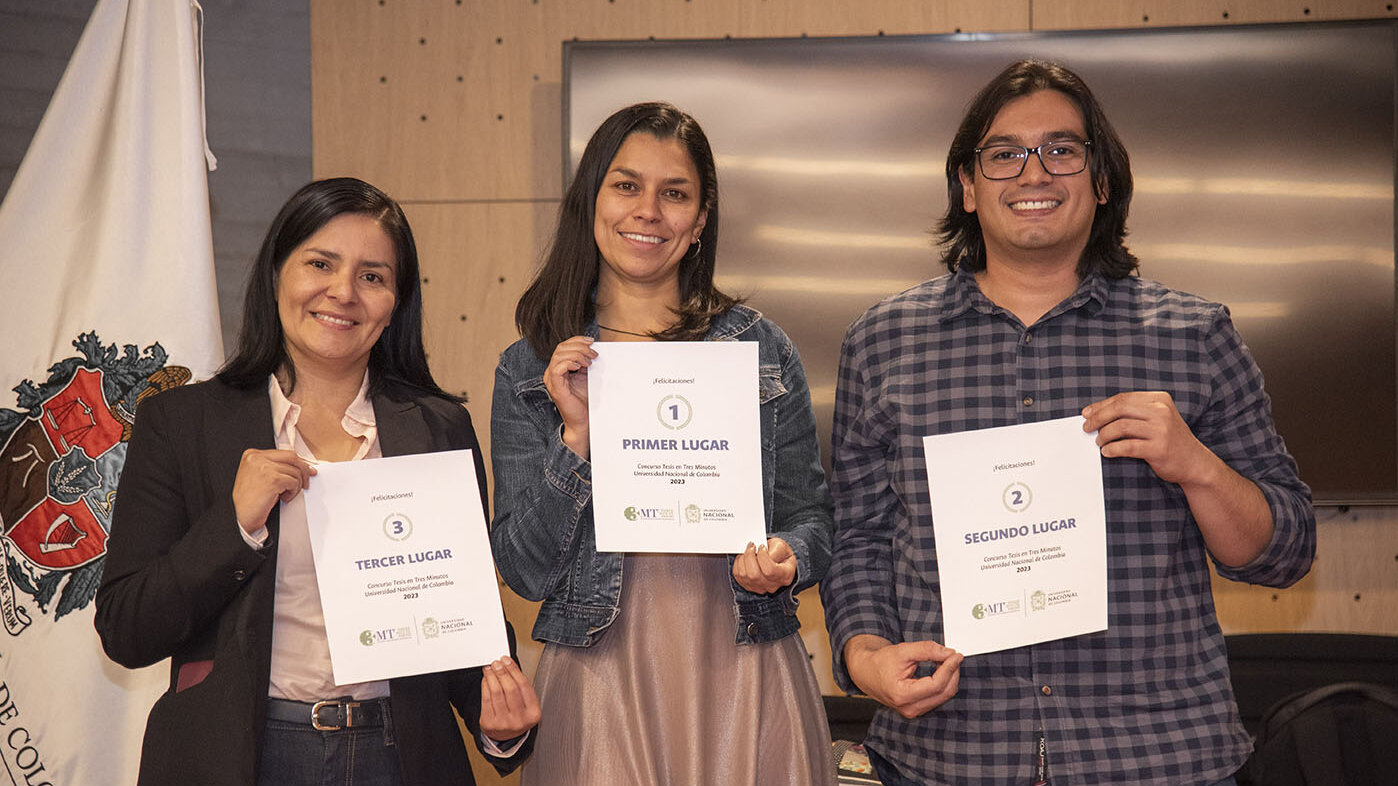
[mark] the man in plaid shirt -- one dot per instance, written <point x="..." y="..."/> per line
<point x="1042" y="317"/>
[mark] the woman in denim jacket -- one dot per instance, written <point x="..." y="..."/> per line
<point x="658" y="668"/>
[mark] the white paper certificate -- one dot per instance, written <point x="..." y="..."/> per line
<point x="407" y="583"/>
<point x="1020" y="526"/>
<point x="676" y="446"/>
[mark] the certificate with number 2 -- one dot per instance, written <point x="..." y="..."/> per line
<point x="1019" y="520"/>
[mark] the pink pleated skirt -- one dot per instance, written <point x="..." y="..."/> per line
<point x="667" y="697"/>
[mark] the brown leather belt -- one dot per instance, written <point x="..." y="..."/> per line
<point x="331" y="715"/>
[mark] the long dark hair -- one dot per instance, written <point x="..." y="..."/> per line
<point x="559" y="301"/>
<point x="398" y="356"/>
<point x="1109" y="167"/>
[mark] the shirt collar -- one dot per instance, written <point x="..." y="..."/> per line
<point x="964" y="294"/>
<point x="359" y="420"/>
<point x="284" y="415"/>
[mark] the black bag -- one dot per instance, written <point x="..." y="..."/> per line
<point x="1345" y="734"/>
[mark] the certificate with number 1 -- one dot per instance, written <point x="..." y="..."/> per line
<point x="676" y="446"/>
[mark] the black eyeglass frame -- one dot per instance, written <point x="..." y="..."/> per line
<point x="1023" y="162"/>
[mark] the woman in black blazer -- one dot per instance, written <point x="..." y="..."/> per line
<point x="205" y="567"/>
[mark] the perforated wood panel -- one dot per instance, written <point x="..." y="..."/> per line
<point x="454" y="107"/>
<point x="1097" y="14"/>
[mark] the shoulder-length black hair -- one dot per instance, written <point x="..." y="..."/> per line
<point x="1109" y="167"/>
<point x="559" y="301"/>
<point x="398" y="356"/>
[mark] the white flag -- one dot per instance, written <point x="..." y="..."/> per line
<point x="108" y="296"/>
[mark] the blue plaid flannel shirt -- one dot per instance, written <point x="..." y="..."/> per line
<point x="1149" y="699"/>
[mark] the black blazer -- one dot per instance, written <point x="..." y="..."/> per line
<point x="181" y="583"/>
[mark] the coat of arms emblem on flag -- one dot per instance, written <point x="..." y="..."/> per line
<point x="62" y="454"/>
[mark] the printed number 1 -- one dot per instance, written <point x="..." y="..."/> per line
<point x="674" y="411"/>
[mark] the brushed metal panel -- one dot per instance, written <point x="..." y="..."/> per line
<point x="1264" y="166"/>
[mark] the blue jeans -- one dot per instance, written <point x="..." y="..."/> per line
<point x="891" y="777"/>
<point x="295" y="754"/>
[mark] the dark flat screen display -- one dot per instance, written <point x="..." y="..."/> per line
<point x="1264" y="168"/>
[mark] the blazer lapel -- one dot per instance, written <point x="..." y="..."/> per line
<point x="245" y="421"/>
<point x="401" y="427"/>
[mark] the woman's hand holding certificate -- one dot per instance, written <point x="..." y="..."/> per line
<point x="566" y="381"/>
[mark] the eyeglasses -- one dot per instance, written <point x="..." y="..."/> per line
<point x="1006" y="162"/>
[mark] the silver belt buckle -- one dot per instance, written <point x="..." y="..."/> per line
<point x="315" y="715"/>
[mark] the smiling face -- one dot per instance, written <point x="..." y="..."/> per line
<point x="647" y="214"/>
<point x="336" y="293"/>
<point x="1036" y="216"/>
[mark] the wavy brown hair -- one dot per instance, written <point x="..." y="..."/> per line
<point x="559" y="301"/>
<point x="1108" y="165"/>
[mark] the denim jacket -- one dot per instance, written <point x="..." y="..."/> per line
<point x="542" y="532"/>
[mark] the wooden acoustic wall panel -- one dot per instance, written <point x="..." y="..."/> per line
<point x="1352" y="588"/>
<point x="476" y="260"/>
<point x="449" y="101"/>
<point x="455" y="107"/>
<point x="1098" y="14"/>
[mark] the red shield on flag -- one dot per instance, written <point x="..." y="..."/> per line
<point x="58" y="536"/>
<point x="78" y="416"/>
<point x="75" y="421"/>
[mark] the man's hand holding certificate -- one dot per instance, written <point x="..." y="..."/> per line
<point x="407" y="583"/>
<point x="1020" y="525"/>
<point x="675" y="441"/>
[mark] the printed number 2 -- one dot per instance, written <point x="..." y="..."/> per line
<point x="1017" y="497"/>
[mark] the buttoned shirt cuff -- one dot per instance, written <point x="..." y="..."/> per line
<point x="492" y="748"/>
<point x="255" y="539"/>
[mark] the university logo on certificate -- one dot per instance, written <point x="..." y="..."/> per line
<point x="402" y="558"/>
<point x="675" y="446"/>
<point x="1019" y="520"/>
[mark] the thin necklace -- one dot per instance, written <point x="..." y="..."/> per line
<point x="626" y="332"/>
